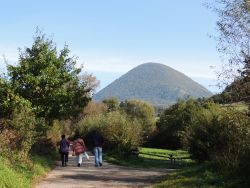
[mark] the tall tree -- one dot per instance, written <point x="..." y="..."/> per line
<point x="49" y="80"/>
<point x="234" y="37"/>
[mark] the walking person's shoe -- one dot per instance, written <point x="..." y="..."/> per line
<point x="100" y="164"/>
<point x="78" y="164"/>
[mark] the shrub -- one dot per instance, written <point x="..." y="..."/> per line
<point x="18" y="134"/>
<point x="220" y="135"/>
<point x="234" y="138"/>
<point x="24" y="122"/>
<point x="94" y="108"/>
<point x="200" y="136"/>
<point x="173" y="122"/>
<point x="120" y="132"/>
<point x="140" y="111"/>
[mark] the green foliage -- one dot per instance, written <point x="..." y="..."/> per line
<point x="124" y="126"/>
<point x="10" y="177"/>
<point x="24" y="122"/>
<point x="202" y="175"/>
<point x="220" y="135"/>
<point x="233" y="38"/>
<point x="235" y="92"/>
<point x="94" y="108"/>
<point x="120" y="132"/>
<point x="54" y="133"/>
<point x="9" y="100"/>
<point x="23" y="175"/>
<point x="210" y="131"/>
<point x="18" y="134"/>
<point x="182" y="157"/>
<point x="142" y="112"/>
<point x="87" y="125"/>
<point x="201" y="136"/>
<point x="148" y="159"/>
<point x="49" y="80"/>
<point x="173" y="122"/>
<point x="112" y="104"/>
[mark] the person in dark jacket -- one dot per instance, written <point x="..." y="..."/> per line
<point x="64" y="150"/>
<point x="98" y="142"/>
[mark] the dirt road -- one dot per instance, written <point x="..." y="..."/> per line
<point x="106" y="176"/>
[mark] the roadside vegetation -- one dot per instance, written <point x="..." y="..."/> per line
<point x="206" y="141"/>
<point x="38" y="100"/>
<point x="24" y="175"/>
<point x="151" y="158"/>
<point x="202" y="175"/>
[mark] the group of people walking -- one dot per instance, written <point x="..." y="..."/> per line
<point x="79" y="149"/>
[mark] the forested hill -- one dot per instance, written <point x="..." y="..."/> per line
<point x="154" y="82"/>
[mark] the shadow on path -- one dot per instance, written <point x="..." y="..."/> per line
<point x="107" y="176"/>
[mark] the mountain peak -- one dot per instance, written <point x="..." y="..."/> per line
<point x="153" y="82"/>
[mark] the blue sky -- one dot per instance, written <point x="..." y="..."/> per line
<point x="113" y="36"/>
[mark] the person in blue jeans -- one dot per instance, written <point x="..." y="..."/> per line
<point x="98" y="142"/>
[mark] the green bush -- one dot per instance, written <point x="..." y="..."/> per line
<point x="201" y="135"/>
<point x="173" y="122"/>
<point x="234" y="138"/>
<point x="220" y="135"/>
<point x="24" y="121"/>
<point x="18" y="134"/>
<point x="120" y="132"/>
<point x="140" y="111"/>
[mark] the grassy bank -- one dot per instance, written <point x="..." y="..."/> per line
<point x="151" y="158"/>
<point x="187" y="173"/>
<point x="23" y="175"/>
<point x="204" y="175"/>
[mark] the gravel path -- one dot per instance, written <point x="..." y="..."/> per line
<point x="106" y="176"/>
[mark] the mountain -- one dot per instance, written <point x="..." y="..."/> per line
<point x="154" y="82"/>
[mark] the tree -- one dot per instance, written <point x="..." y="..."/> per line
<point x="141" y="111"/>
<point x="91" y="82"/>
<point x="173" y="122"/>
<point x="112" y="104"/>
<point x="9" y="100"/>
<point x="49" y="80"/>
<point x="234" y="37"/>
<point x="93" y="109"/>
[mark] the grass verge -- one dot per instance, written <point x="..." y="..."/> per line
<point x="150" y="158"/>
<point x="187" y="174"/>
<point x="24" y="175"/>
<point x="206" y="175"/>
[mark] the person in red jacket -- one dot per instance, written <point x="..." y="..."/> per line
<point x="79" y="150"/>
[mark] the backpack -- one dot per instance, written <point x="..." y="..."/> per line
<point x="64" y="146"/>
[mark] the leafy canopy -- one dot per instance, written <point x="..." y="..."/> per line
<point x="49" y="80"/>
